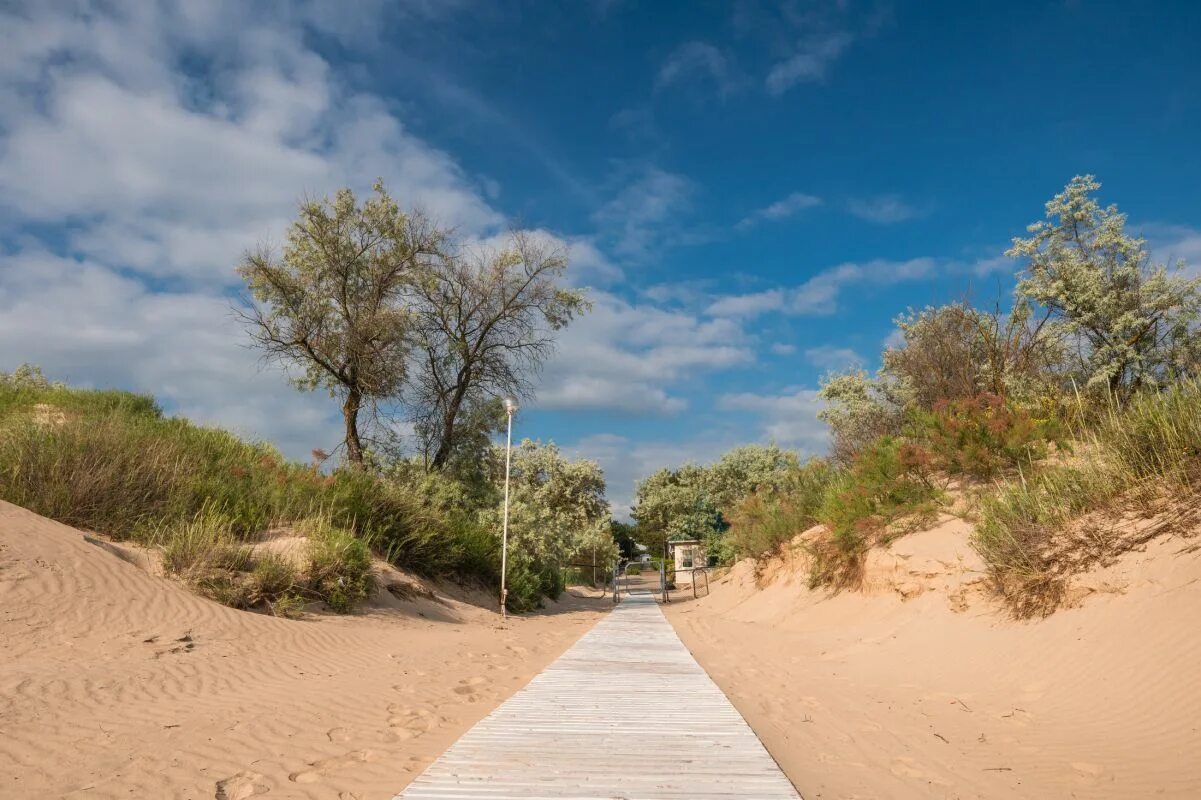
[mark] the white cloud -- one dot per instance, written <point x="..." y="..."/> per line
<point x="992" y="266"/>
<point x="638" y="216"/>
<point x="781" y="209"/>
<point x="1169" y="244"/>
<point x="748" y="305"/>
<point x="809" y="61"/>
<point x="789" y="419"/>
<point x="883" y="209"/>
<point x="88" y="325"/>
<point x="693" y="59"/>
<point x="173" y="178"/>
<point x="820" y="294"/>
<point x="782" y="349"/>
<point x="830" y="357"/>
<point x="627" y="357"/>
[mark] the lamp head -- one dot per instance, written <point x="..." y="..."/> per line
<point x="510" y="406"/>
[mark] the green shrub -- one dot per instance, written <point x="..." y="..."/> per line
<point x="290" y="606"/>
<point x="888" y="480"/>
<point x="110" y="462"/>
<point x="983" y="435"/>
<point x="766" y="520"/>
<point x="339" y="566"/>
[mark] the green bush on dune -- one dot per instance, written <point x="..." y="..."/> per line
<point x="111" y="462"/>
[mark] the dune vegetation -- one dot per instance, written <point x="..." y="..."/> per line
<point x="113" y="463"/>
<point x="1066" y="427"/>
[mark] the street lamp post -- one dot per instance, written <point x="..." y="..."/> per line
<point x="510" y="409"/>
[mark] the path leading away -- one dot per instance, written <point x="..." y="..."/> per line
<point x="625" y="714"/>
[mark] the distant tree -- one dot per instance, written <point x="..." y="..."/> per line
<point x="334" y="304"/>
<point x="693" y="502"/>
<point x="1133" y="320"/>
<point x="675" y="504"/>
<point x="623" y="534"/>
<point x="483" y="326"/>
<point x="745" y="470"/>
<point x="860" y="409"/>
<point x="28" y="376"/>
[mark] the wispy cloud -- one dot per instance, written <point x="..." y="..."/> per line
<point x="639" y="216"/>
<point x="781" y="209"/>
<point x="820" y="294"/>
<point x="883" y="209"/>
<point x="830" y="357"/>
<point x="789" y="419"/>
<point x="809" y="62"/>
<point x="698" y="60"/>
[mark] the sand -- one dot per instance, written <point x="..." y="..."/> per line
<point x="922" y="687"/>
<point x="118" y="683"/>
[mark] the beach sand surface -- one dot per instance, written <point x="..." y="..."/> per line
<point x="115" y="682"/>
<point x="921" y="686"/>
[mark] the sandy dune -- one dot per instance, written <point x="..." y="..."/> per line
<point x="116" y="683"/>
<point x="940" y="696"/>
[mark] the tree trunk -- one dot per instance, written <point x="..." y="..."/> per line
<point x="350" y="413"/>
<point x="446" y="441"/>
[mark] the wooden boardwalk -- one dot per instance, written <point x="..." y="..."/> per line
<point x="625" y="714"/>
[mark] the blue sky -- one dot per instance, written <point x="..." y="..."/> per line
<point x="752" y="190"/>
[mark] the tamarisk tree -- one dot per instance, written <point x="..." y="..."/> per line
<point x="1134" y="321"/>
<point x="484" y="324"/>
<point x="335" y="305"/>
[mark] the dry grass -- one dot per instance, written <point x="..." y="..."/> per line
<point x="1134" y="480"/>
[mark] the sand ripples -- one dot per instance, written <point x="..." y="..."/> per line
<point x="116" y="683"/>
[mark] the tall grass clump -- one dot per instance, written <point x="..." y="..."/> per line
<point x="1157" y="435"/>
<point x="1137" y="461"/>
<point x="339" y="566"/>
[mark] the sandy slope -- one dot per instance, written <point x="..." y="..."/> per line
<point x="939" y="695"/>
<point x="115" y="683"/>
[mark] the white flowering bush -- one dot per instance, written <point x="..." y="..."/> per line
<point x="1134" y="322"/>
<point x="558" y="515"/>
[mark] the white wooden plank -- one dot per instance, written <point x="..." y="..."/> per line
<point x="625" y="714"/>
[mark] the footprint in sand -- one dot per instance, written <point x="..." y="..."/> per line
<point x="241" y="786"/>
<point x="1086" y="771"/>
<point x="319" y="769"/>
<point x="408" y="723"/>
<point x="339" y="735"/>
<point x="469" y="687"/>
